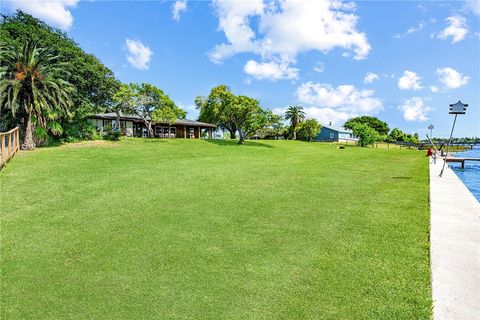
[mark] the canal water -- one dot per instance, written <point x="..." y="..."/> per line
<point x="471" y="174"/>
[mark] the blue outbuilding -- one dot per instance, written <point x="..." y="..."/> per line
<point x="332" y="134"/>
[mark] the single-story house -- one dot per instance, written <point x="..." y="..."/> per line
<point x="134" y="126"/>
<point x="332" y="134"/>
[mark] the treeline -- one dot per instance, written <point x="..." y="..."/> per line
<point x="244" y="115"/>
<point x="464" y="140"/>
<point x="48" y="85"/>
<point x="47" y="82"/>
<point x="371" y="129"/>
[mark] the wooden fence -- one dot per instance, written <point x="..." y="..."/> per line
<point x="10" y="144"/>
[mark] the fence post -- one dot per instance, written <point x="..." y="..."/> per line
<point x="18" y="139"/>
<point x="9" y="146"/>
<point x="14" y="143"/>
<point x="3" y="148"/>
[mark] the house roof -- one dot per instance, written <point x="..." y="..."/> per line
<point x="338" y="129"/>
<point x="134" y="117"/>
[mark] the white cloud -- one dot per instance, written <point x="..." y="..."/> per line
<point x="473" y="6"/>
<point x="323" y="115"/>
<point x="451" y="78"/>
<point x="434" y="89"/>
<point x="409" y="81"/>
<point x="234" y="21"/>
<point x="178" y="7"/>
<point x="286" y="28"/>
<point x="345" y="98"/>
<point x="56" y="12"/>
<point x="270" y="70"/>
<point x="319" y="67"/>
<point x="415" y="109"/>
<point x="328" y="104"/>
<point x="417" y="28"/>
<point x="327" y="115"/>
<point x="457" y="29"/>
<point x="138" y="55"/>
<point x="370" y="77"/>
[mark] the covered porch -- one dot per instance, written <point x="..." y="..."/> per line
<point x="174" y="131"/>
<point x="134" y="126"/>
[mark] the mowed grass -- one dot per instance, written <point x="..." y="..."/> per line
<point x="181" y="229"/>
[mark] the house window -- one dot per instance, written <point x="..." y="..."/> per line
<point x="162" y="132"/>
<point x="332" y="135"/>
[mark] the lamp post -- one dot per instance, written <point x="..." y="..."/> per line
<point x="431" y="127"/>
<point x="456" y="109"/>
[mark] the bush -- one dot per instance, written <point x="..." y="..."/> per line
<point x="365" y="133"/>
<point x="111" y="134"/>
<point x="80" y="129"/>
<point x="308" y="130"/>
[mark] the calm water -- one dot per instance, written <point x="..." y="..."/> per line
<point x="471" y="174"/>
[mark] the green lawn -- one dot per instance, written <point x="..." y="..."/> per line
<point x="181" y="229"/>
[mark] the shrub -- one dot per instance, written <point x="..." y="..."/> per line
<point x="80" y="129"/>
<point x="365" y="133"/>
<point x="111" y="134"/>
<point x="308" y="129"/>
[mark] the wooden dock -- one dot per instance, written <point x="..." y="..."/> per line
<point x="461" y="160"/>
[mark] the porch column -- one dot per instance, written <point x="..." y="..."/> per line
<point x="210" y="133"/>
<point x="185" y="132"/>
<point x="168" y="132"/>
<point x="199" y="136"/>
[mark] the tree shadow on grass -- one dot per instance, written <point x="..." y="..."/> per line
<point x="234" y="143"/>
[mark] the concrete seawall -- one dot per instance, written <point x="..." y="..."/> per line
<point x="454" y="247"/>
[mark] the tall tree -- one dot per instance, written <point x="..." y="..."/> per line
<point x="272" y="127"/>
<point x="147" y="102"/>
<point x="396" y="135"/>
<point x="168" y="113"/>
<point x="32" y="86"/>
<point x="212" y="109"/>
<point x="296" y="115"/>
<point x="150" y="101"/>
<point x="95" y="83"/>
<point x="378" y="125"/>
<point x="247" y="115"/>
<point x="123" y="102"/>
<point x="275" y="122"/>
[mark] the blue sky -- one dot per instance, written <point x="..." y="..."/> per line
<point x="402" y="61"/>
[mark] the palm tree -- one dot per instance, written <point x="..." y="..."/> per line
<point x="32" y="88"/>
<point x="296" y="115"/>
